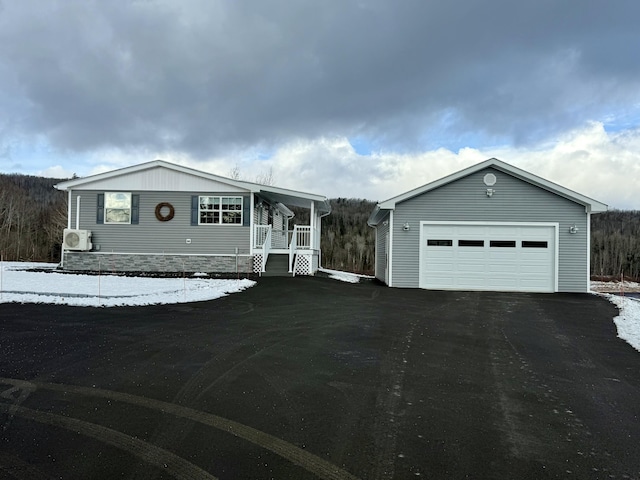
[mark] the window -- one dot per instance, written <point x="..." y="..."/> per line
<point x="502" y="243"/>
<point x="117" y="207"/>
<point x="534" y="244"/>
<point x="471" y="243"/>
<point x="440" y="243"/>
<point x="220" y="210"/>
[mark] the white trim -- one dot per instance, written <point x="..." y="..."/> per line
<point x="69" y="209"/>
<point x="554" y="225"/>
<point x="251" y="221"/>
<point x="78" y="212"/>
<point x="375" y="256"/>
<point x="515" y="224"/>
<point x="168" y="254"/>
<point x="588" y="252"/>
<point x="391" y="248"/>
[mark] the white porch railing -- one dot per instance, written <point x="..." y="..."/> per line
<point x="302" y="237"/>
<point x="262" y="241"/>
<point x="266" y="247"/>
<point x="260" y="235"/>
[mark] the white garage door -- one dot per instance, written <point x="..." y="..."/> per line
<point x="498" y="257"/>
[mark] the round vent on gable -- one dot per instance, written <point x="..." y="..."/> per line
<point x="72" y="239"/>
<point x="490" y="179"/>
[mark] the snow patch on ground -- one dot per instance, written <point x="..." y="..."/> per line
<point x="611" y="287"/>
<point x="19" y="284"/>
<point x="343" y="276"/>
<point x="628" y="322"/>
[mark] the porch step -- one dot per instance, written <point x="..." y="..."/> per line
<point x="277" y="266"/>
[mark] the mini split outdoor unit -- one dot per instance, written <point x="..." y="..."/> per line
<point x="76" y="239"/>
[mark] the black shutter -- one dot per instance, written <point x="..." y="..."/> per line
<point x="135" y="209"/>
<point x="194" y="209"/>
<point x="246" y="211"/>
<point x="99" y="209"/>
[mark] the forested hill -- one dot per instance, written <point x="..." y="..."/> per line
<point x="33" y="215"/>
<point x="347" y="241"/>
<point x="615" y="243"/>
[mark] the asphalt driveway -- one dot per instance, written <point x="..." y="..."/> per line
<point x="314" y="378"/>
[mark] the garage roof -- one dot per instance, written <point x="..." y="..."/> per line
<point x="591" y="205"/>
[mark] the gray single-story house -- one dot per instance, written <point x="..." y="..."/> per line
<point x="162" y="217"/>
<point x="491" y="226"/>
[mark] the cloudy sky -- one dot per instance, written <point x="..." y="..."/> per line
<point x="362" y="98"/>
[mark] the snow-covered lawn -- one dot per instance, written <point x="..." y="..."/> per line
<point x="19" y="284"/>
<point x="343" y="276"/>
<point x="628" y="322"/>
<point x="615" y="287"/>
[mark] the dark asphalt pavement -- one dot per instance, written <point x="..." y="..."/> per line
<point x="313" y="378"/>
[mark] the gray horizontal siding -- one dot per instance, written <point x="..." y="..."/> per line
<point x="381" y="248"/>
<point x="514" y="201"/>
<point x="154" y="236"/>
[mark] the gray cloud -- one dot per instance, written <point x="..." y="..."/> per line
<point x="201" y="76"/>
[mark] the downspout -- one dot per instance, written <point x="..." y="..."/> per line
<point x="69" y="210"/>
<point x="588" y="250"/>
<point x="68" y="226"/>
<point x="78" y="212"/>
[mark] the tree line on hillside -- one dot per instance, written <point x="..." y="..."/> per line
<point x="33" y="215"/>
<point x="615" y="244"/>
<point x="347" y="242"/>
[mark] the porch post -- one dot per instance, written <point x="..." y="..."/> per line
<point x="252" y="227"/>
<point x="312" y="221"/>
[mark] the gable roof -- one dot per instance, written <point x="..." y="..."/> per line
<point x="591" y="205"/>
<point x="202" y="180"/>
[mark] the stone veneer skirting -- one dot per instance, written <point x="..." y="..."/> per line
<point x="132" y="262"/>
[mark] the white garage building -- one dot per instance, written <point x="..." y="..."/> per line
<point x="489" y="227"/>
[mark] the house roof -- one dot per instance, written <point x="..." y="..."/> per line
<point x="591" y="205"/>
<point x="201" y="179"/>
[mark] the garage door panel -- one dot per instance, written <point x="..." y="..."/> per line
<point x="502" y="231"/>
<point x="470" y="267"/>
<point x="534" y="269"/>
<point x="471" y="230"/>
<point x="522" y="257"/>
<point x="471" y="282"/>
<point x="500" y="255"/>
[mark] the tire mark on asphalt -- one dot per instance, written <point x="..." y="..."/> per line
<point x="16" y="394"/>
<point x="388" y="404"/>
<point x="19" y="469"/>
<point x="176" y="466"/>
<point x="284" y="449"/>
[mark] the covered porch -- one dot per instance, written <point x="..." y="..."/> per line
<point x="275" y="234"/>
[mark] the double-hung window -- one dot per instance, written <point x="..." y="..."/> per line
<point x="117" y="207"/>
<point x="218" y="210"/>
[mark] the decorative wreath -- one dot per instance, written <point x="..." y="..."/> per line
<point x="168" y="216"/>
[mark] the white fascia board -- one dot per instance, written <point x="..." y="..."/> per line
<point x="591" y="205"/>
<point x="82" y="182"/>
<point x="377" y="215"/>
